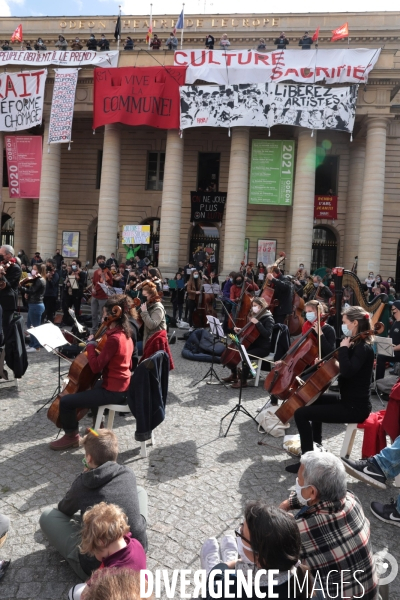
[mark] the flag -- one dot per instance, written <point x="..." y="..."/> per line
<point x="340" y="32"/>
<point x="150" y="31"/>
<point x="179" y="24"/>
<point x="117" y="32"/>
<point x="315" y="36"/>
<point x="17" y="35"/>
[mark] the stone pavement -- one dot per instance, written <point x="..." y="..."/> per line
<point x="197" y="481"/>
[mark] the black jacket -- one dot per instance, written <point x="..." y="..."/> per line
<point x="92" y="44"/>
<point x="103" y="44"/>
<point x="209" y="42"/>
<point x="58" y="258"/>
<point x="52" y="286"/>
<point x="148" y="394"/>
<point x="35" y="291"/>
<point x="284" y="295"/>
<point x="281" y="43"/>
<point x="16" y="357"/>
<point x="265" y="327"/>
<point x="178" y="295"/>
<point x="321" y="292"/>
<point x="305" y="43"/>
<point x="9" y="295"/>
<point x="356" y="364"/>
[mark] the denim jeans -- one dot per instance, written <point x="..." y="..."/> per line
<point x="389" y="461"/>
<point x="35" y="312"/>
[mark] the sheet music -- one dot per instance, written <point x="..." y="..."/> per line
<point x="107" y="290"/>
<point x="215" y="326"/>
<point x="246" y="356"/>
<point x="384" y="346"/>
<point x="49" y="336"/>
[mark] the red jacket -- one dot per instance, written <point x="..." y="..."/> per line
<point x="115" y="360"/>
<point x="98" y="276"/>
<point x="236" y="291"/>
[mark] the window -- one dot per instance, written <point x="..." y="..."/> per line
<point x="99" y="165"/>
<point x="155" y="170"/>
<point x="208" y="171"/>
<point x="326" y="175"/>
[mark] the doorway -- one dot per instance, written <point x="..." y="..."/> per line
<point x="326" y="176"/>
<point x="150" y="251"/>
<point x="324" y="248"/>
<point x="7" y="230"/>
<point x="208" y="171"/>
<point x="207" y="236"/>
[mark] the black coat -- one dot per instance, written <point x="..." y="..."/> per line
<point x="305" y="43"/>
<point x="281" y="43"/>
<point x="16" y="357"/>
<point x="35" y="291"/>
<point x="284" y="295"/>
<point x="9" y="295"/>
<point x="265" y="327"/>
<point x="210" y="42"/>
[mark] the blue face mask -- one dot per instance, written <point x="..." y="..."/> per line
<point x="346" y="330"/>
<point x="311" y="316"/>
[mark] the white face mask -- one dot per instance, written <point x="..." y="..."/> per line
<point x="346" y="330"/>
<point x="256" y="309"/>
<point x="241" y="547"/>
<point x="33" y="272"/>
<point x="298" y="488"/>
<point x="311" y="316"/>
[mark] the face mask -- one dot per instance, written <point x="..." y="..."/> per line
<point x="241" y="547"/>
<point x="195" y="276"/>
<point x="239" y="283"/>
<point x="311" y="316"/>
<point x="371" y="275"/>
<point x="256" y="309"/>
<point x="346" y="330"/>
<point x="33" y="272"/>
<point x="102" y="265"/>
<point x="230" y="279"/>
<point x="298" y="488"/>
<point x="378" y="279"/>
<point x="316" y="284"/>
<point x="74" y="267"/>
<point x="19" y="253"/>
<point x="301" y="267"/>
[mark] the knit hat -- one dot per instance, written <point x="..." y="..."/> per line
<point x="396" y="304"/>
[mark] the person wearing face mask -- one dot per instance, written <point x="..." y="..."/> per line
<point x="237" y="291"/>
<point x="356" y="360"/>
<point x="152" y="311"/>
<point x="23" y="257"/>
<point x="9" y="280"/>
<point x="34" y="293"/>
<point x="327" y="332"/>
<point x="51" y="291"/>
<point x="334" y="532"/>
<point x="320" y="291"/>
<point x="268" y="538"/>
<point x="302" y="274"/>
<point x="103" y="276"/>
<point x="193" y="289"/>
<point x="261" y="346"/>
<point x="370" y="281"/>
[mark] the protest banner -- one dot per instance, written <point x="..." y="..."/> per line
<point x="207" y="206"/>
<point x="62" y="58"/>
<point x="136" y="234"/>
<point x="21" y="100"/>
<point x="62" y="106"/>
<point x="24" y="165"/>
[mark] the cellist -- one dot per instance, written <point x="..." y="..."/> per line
<point x="356" y="362"/>
<point x="237" y="291"/>
<point x="114" y="362"/>
<point x="283" y="293"/>
<point x="261" y="347"/>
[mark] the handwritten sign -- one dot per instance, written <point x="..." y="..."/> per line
<point x="136" y="234"/>
<point x="207" y="206"/>
<point x="21" y="100"/>
<point x="62" y="106"/>
<point x="62" y="58"/>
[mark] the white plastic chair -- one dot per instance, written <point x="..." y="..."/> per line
<point x="113" y="408"/>
<point x="270" y="356"/>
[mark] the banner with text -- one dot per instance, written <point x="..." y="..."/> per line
<point x="207" y="206"/>
<point x="138" y="96"/>
<point x="268" y="104"/>
<point x="227" y="67"/>
<point x="21" y="100"/>
<point x="62" y="58"/>
<point x="24" y="165"/>
<point x="136" y="234"/>
<point x="62" y="106"/>
<point x="271" y="172"/>
<point x="325" y="207"/>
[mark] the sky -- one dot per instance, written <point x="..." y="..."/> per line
<point x="20" y="8"/>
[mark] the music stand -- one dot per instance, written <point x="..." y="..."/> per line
<point x="239" y="406"/>
<point x="384" y="347"/>
<point x="50" y="337"/>
<point x="218" y="336"/>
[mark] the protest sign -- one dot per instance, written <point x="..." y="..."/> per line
<point x="62" y="58"/>
<point x="62" y="106"/>
<point x="207" y="206"/>
<point x="21" y="99"/>
<point x="136" y="234"/>
<point x="325" y="207"/>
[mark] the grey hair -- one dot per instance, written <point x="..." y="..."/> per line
<point x="8" y="249"/>
<point x="326" y="473"/>
<point x="317" y="277"/>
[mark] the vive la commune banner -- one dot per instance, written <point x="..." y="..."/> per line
<point x="21" y="100"/>
<point x="138" y="96"/>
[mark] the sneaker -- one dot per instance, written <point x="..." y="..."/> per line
<point x="30" y="349"/>
<point x="386" y="512"/>
<point x="68" y="440"/>
<point x="210" y="555"/>
<point x="366" y="470"/>
<point x="229" y="550"/>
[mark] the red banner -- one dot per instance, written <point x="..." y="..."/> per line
<point x="138" y="96"/>
<point x="325" y="207"/>
<point x="24" y="165"/>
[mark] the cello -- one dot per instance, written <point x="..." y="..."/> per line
<point x="199" y="313"/>
<point x="80" y="375"/>
<point x="268" y="289"/>
<point x="231" y="356"/>
<point x="296" y="320"/>
<point x="243" y="309"/>
<point x="310" y="390"/>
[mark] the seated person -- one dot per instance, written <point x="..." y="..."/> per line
<point x="267" y="539"/>
<point x="4" y="527"/>
<point x="106" y="536"/>
<point x="375" y="471"/>
<point x="101" y="480"/>
<point x="114" y="584"/>
<point x="325" y="505"/>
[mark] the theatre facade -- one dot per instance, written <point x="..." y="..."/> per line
<point x="123" y="175"/>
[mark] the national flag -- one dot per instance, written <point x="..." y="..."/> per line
<point x="340" y="32"/>
<point x="179" y="24"/>
<point x="149" y="32"/>
<point x="17" y="35"/>
<point x="117" y="32"/>
<point x="315" y="36"/>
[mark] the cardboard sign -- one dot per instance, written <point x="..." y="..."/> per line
<point x="325" y="207"/>
<point x="24" y="165"/>
<point x="207" y="206"/>
<point x="136" y="234"/>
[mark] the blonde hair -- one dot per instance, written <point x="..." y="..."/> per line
<point x="103" y="524"/>
<point x="102" y="447"/>
<point x="114" y="584"/>
<point x="42" y="270"/>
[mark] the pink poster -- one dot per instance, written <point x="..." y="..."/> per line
<point x="24" y="165"/>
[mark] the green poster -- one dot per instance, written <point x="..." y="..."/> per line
<point x="271" y="172"/>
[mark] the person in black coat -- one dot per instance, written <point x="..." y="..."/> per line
<point x="129" y="45"/>
<point x="262" y="345"/>
<point x="281" y="42"/>
<point x="306" y="42"/>
<point x="283" y="293"/>
<point x="210" y="42"/>
<point x="92" y="43"/>
<point x="9" y="279"/>
<point x="103" y="43"/>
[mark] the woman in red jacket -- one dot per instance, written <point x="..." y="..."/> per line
<point x="114" y="362"/>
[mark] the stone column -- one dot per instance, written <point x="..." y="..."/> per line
<point x="303" y="201"/>
<point x="23" y="227"/>
<point x="353" y="204"/>
<point x="107" y="228"/>
<point x="171" y="205"/>
<point x="1" y="171"/>
<point x="47" y="231"/>
<point x="236" y="202"/>
<point x="369" y="250"/>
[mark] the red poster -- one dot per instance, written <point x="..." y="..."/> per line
<point x="138" y="96"/>
<point x="24" y="165"/>
<point x="325" y="207"/>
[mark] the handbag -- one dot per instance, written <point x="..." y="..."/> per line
<point x="268" y="422"/>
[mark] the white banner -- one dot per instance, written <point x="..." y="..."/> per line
<point x="269" y="104"/>
<point x="249" y="66"/>
<point x="62" y="106"/>
<point x="62" y="58"/>
<point x="21" y="99"/>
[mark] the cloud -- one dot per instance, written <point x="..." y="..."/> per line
<point x="4" y="9"/>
